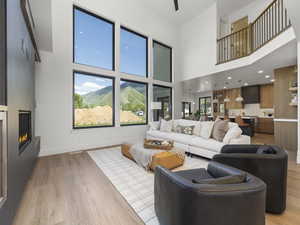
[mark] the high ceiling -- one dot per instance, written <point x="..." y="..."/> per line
<point x="187" y="9"/>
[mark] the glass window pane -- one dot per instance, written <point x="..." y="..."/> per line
<point x="208" y="106"/>
<point x="163" y="95"/>
<point x="93" y="40"/>
<point x="162" y="62"/>
<point x="133" y="103"/>
<point x="93" y="101"/>
<point x="133" y="53"/>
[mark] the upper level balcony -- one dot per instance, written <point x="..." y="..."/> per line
<point x="246" y="39"/>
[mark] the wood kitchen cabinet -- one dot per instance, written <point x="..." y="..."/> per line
<point x="265" y="125"/>
<point x="232" y="94"/>
<point x="267" y="96"/>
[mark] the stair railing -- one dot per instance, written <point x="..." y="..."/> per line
<point x="269" y="24"/>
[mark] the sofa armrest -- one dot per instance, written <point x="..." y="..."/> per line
<point x="243" y="139"/>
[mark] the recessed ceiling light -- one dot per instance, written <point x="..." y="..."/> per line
<point x="246" y="84"/>
<point x="225" y="87"/>
<point x="229" y="78"/>
<point x="260" y="71"/>
<point x="267" y="76"/>
<point x="273" y="80"/>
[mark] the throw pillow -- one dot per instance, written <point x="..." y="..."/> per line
<point x="232" y="133"/>
<point x="234" y="179"/>
<point x="166" y="126"/>
<point x="154" y="125"/>
<point x="187" y="130"/>
<point x="266" y="149"/>
<point x="177" y="129"/>
<point x="206" y="129"/>
<point x="197" y="129"/>
<point x="220" y="129"/>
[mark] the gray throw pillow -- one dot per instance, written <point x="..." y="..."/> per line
<point x="234" y="179"/>
<point x="220" y="129"/>
<point x="266" y="149"/>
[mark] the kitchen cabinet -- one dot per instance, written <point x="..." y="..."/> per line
<point x="266" y="96"/>
<point x="251" y="94"/>
<point x="232" y="94"/>
<point x="265" y="125"/>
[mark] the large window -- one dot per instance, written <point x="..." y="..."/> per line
<point x="134" y="54"/>
<point x="205" y="106"/>
<point x="94" y="94"/>
<point x="93" y="40"/>
<point x="186" y="110"/>
<point x="162" y="62"/>
<point x="93" y="101"/>
<point x="164" y="95"/>
<point x="134" y="99"/>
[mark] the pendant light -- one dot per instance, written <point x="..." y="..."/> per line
<point x="239" y="98"/>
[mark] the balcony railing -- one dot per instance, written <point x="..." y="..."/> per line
<point x="270" y="23"/>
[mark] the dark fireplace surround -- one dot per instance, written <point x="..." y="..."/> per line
<point x="25" y="133"/>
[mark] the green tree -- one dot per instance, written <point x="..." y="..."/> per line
<point x="78" y="101"/>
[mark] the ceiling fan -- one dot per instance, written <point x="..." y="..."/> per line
<point x="176" y="5"/>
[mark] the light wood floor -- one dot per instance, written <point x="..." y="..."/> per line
<point x="71" y="190"/>
<point x="263" y="139"/>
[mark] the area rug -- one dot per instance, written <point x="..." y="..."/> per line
<point x="134" y="183"/>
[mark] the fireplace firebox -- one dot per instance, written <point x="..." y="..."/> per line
<point x="24" y="129"/>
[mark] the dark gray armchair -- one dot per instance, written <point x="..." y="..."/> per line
<point x="268" y="163"/>
<point x="179" y="201"/>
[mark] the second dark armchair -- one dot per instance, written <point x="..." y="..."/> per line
<point x="268" y="163"/>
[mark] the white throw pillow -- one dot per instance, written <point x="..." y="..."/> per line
<point x="154" y="125"/>
<point x="166" y="126"/>
<point x="232" y="133"/>
<point x="206" y="129"/>
<point x="197" y="129"/>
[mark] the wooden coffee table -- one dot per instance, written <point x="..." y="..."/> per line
<point x="166" y="159"/>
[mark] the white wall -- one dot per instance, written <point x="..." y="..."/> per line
<point x="252" y="10"/>
<point x="198" y="44"/>
<point x="54" y="75"/>
<point x="298" y="155"/>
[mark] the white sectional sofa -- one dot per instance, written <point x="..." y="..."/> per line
<point x="198" y="145"/>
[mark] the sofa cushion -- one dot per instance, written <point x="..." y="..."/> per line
<point x="206" y="129"/>
<point x="234" y="179"/>
<point x="159" y="134"/>
<point x="194" y="174"/>
<point x="166" y="126"/>
<point x="233" y="133"/>
<point x="177" y="137"/>
<point x="197" y="129"/>
<point x="220" y="129"/>
<point x="154" y="125"/>
<point x="210" y="144"/>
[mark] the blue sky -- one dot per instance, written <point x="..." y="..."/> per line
<point x="85" y="84"/>
<point x="93" y="41"/>
<point x="94" y="45"/>
<point x="133" y="53"/>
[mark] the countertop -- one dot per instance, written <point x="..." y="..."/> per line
<point x="248" y="117"/>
